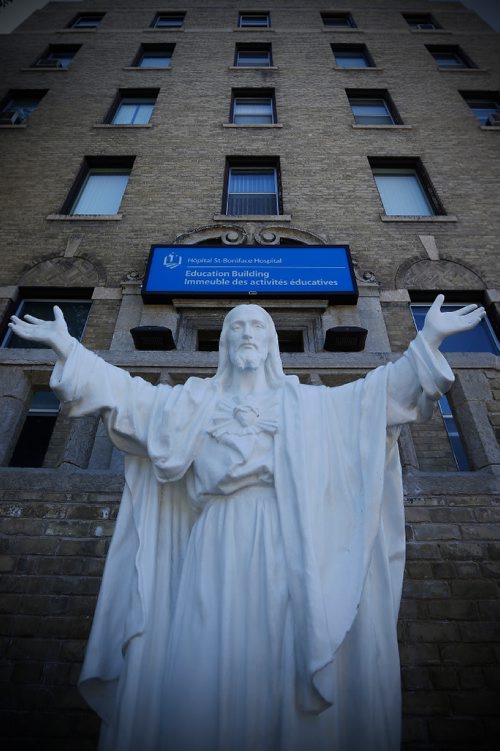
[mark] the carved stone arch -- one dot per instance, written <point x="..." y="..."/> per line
<point x="276" y="234"/>
<point x="62" y="272"/>
<point x="227" y="234"/>
<point x="424" y="274"/>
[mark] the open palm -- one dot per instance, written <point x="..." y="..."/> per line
<point x="438" y="325"/>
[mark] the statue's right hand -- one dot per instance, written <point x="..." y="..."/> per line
<point x="53" y="334"/>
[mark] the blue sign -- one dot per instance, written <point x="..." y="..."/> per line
<point x="225" y="271"/>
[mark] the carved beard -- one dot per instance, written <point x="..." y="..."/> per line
<point x="248" y="359"/>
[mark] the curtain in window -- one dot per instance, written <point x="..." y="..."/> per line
<point x="134" y="113"/>
<point x="402" y="195"/>
<point x="101" y="194"/>
<point x="253" y="111"/>
<point x="252" y="192"/>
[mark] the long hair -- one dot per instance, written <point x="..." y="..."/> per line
<point x="273" y="366"/>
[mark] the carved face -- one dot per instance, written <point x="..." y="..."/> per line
<point x="247" y="337"/>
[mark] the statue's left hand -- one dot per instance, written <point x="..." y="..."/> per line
<point x="439" y="325"/>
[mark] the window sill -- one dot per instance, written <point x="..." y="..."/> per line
<point x="122" y="125"/>
<point x="76" y="31"/>
<point x="84" y="217"/>
<point x="481" y="127"/>
<point x="253" y="67"/>
<point x="396" y="126"/>
<point x="463" y="70"/>
<point x="252" y="218"/>
<point x="358" y="70"/>
<point x="429" y="31"/>
<point x="11" y="126"/>
<point x="41" y="69"/>
<point x="253" y="29"/>
<point x="249" y="125"/>
<point x="435" y="218"/>
<point x="136" y="67"/>
<point x="341" y="30"/>
<point x="156" y="31"/>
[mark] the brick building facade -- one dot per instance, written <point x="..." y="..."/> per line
<point x="354" y="110"/>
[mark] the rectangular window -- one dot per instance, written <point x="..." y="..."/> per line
<point x="133" y="107"/>
<point x="57" y="56"/>
<point x="87" y="21"/>
<point x="480" y="339"/>
<point x="352" y="56"/>
<point x="252" y="189"/>
<point x="338" y="21"/>
<point x="404" y="188"/>
<point x="372" y="107"/>
<point x="168" y="21"/>
<point x="254" y="20"/>
<point x="19" y="104"/>
<point x="99" y="187"/>
<point x="421" y="21"/>
<point x="253" y="56"/>
<point x="485" y="106"/>
<point x="253" y="107"/>
<point x="75" y="312"/>
<point x="154" y="56"/>
<point x="37" y="430"/>
<point x="449" y="56"/>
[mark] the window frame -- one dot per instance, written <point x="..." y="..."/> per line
<point x="95" y="165"/>
<point x="450" y="49"/>
<point x="363" y="51"/>
<point x="416" y="25"/>
<point x="156" y="23"/>
<point x="51" y="53"/>
<point x="346" y="16"/>
<point x="81" y="17"/>
<point x="453" y="300"/>
<point x="262" y="14"/>
<point x="485" y="96"/>
<point x="145" y="48"/>
<point x="35" y="95"/>
<point x="137" y="94"/>
<point x="373" y="94"/>
<point x="255" y="93"/>
<point x="252" y="163"/>
<point x="253" y="48"/>
<point x="412" y="165"/>
<point x="25" y="445"/>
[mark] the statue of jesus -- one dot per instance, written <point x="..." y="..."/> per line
<point x="251" y="592"/>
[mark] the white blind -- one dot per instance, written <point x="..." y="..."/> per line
<point x="402" y="194"/>
<point x="101" y="194"/>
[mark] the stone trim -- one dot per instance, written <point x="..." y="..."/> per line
<point x="84" y="217"/>
<point x="435" y="218"/>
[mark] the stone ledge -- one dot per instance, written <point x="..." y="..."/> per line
<point x="435" y="218"/>
<point x="254" y="29"/>
<point x="135" y="67"/>
<point x="252" y="218"/>
<point x="163" y="30"/>
<point x="84" y="217"/>
<point x="248" y="125"/>
<point x="124" y="126"/>
<point x="358" y="70"/>
<point x="253" y="67"/>
<point x="341" y="30"/>
<point x="40" y="69"/>
<point x="11" y="126"/>
<point x="463" y="70"/>
<point x="489" y="127"/>
<point x="382" y="127"/>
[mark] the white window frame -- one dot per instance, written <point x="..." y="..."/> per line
<point x="248" y="100"/>
<point x="95" y="172"/>
<point x="245" y="21"/>
<point x="254" y="64"/>
<point x="274" y="170"/>
<point x="386" y="119"/>
<point x="138" y="101"/>
<point x="403" y="172"/>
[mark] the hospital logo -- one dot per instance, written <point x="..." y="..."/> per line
<point x="172" y="260"/>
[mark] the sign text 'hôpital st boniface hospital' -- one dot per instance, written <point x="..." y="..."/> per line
<point x="225" y="271"/>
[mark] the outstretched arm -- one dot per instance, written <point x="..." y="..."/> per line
<point x="54" y="333"/>
<point x="422" y="375"/>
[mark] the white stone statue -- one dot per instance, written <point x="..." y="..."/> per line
<point x="251" y="591"/>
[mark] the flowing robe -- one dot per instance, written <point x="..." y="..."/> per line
<point x="338" y="494"/>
